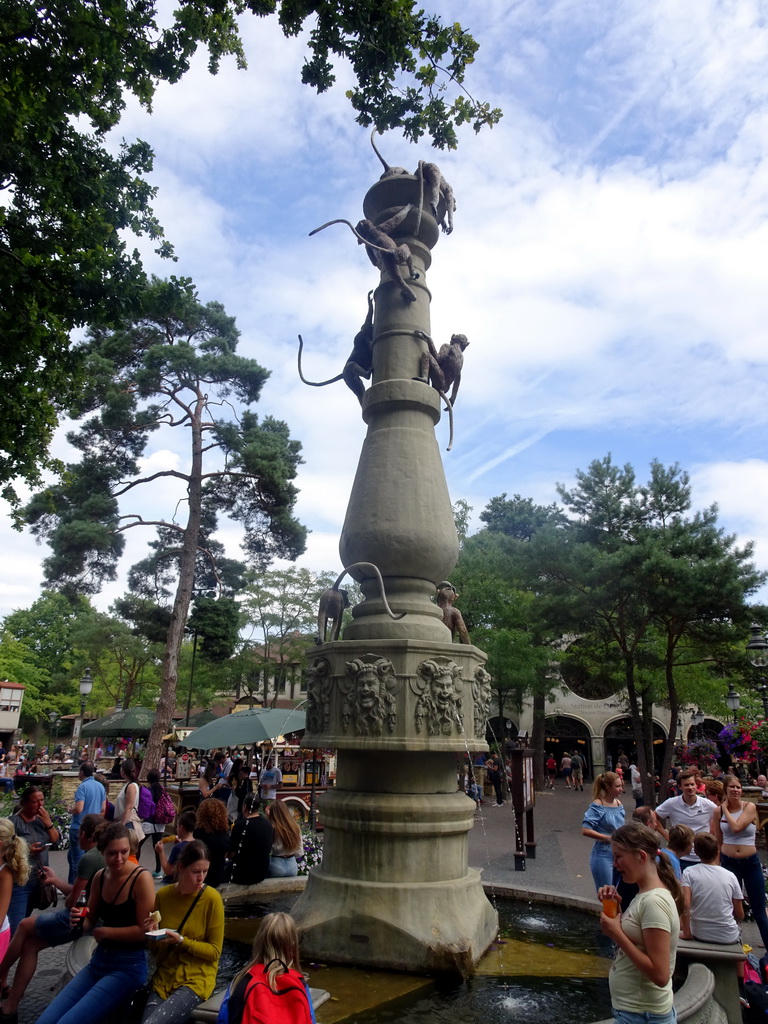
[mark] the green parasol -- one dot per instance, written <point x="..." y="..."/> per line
<point x="256" y="725"/>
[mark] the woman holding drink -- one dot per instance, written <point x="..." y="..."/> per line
<point x="646" y="935"/>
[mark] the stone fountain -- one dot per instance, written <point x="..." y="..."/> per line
<point x="397" y="698"/>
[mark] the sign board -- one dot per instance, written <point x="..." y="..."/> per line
<point x="183" y="767"/>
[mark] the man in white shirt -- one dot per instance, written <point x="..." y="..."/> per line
<point x="269" y="783"/>
<point x="687" y="809"/>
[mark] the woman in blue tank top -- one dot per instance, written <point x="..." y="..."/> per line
<point x="604" y="815"/>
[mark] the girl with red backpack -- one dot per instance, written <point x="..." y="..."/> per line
<point x="271" y="988"/>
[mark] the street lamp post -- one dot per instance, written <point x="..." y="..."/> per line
<point x="86" y="685"/>
<point x="53" y="718"/>
<point x="757" y="652"/>
<point x="697" y="720"/>
<point x="733" y="700"/>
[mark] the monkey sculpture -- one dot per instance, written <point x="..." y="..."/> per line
<point x="360" y="361"/>
<point x="333" y="601"/>
<point x="431" y="182"/>
<point x="452" y="617"/>
<point x="436" y="187"/>
<point x="443" y="368"/>
<point x="383" y="251"/>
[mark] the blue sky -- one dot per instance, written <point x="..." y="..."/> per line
<point x="608" y="263"/>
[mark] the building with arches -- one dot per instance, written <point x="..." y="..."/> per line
<point x="601" y="729"/>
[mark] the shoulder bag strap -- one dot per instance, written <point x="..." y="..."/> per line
<point x="192" y="907"/>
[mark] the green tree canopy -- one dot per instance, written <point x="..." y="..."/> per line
<point x="174" y="367"/>
<point x="280" y="607"/>
<point x="67" y="67"/>
<point x="639" y="579"/>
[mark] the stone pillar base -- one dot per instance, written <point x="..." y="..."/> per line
<point x="401" y="926"/>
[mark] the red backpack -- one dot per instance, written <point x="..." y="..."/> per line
<point x="254" y="1002"/>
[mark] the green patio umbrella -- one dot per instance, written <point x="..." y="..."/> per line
<point x="195" y="721"/>
<point x="135" y="721"/>
<point x="256" y="725"/>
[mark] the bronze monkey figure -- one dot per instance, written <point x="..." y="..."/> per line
<point x="359" y="364"/>
<point x="443" y="368"/>
<point x="330" y="599"/>
<point x="333" y="601"/>
<point x="383" y="251"/>
<point x="432" y="182"/>
<point x="452" y="617"/>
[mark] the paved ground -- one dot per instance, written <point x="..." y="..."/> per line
<point x="560" y="867"/>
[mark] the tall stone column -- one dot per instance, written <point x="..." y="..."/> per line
<point x="398" y="700"/>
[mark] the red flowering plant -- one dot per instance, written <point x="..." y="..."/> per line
<point x="746" y="740"/>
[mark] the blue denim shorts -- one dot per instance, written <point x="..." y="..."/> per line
<point x="627" y="1017"/>
<point x="54" y="927"/>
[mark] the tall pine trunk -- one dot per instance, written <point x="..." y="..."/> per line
<point x="166" y="705"/>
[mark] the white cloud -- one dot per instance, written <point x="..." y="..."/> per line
<point x="607" y="263"/>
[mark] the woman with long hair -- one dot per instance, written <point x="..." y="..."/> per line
<point x="120" y="901"/>
<point x="127" y="802"/>
<point x="250" y="844"/>
<point x="212" y="829"/>
<point x="287" y="843"/>
<point x="14" y="870"/>
<point x="604" y="815"/>
<point x="734" y="825"/>
<point x="151" y="830"/>
<point x="211" y="782"/>
<point x="272" y="978"/>
<point x="646" y="934"/>
<point x="33" y="823"/>
<point x="187" y="958"/>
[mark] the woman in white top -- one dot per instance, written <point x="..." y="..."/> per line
<point x="734" y="825"/>
<point x="127" y="802"/>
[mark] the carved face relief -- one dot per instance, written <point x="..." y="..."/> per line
<point x="370" y="700"/>
<point x="440" y="702"/>
<point x="481" y="693"/>
<point x="319" y="686"/>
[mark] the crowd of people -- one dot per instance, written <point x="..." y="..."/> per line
<point x="238" y="832"/>
<point x="681" y="869"/>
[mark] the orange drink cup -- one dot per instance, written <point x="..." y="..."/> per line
<point x="610" y="906"/>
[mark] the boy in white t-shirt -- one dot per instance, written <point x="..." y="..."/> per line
<point x="713" y="898"/>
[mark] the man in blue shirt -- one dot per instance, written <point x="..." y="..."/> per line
<point x="90" y="798"/>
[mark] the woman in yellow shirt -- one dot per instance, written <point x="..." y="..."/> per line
<point x="192" y="915"/>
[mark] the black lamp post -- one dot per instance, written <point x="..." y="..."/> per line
<point x="86" y="685"/>
<point x="733" y="700"/>
<point x="53" y="718"/>
<point x="757" y="652"/>
<point x="697" y="720"/>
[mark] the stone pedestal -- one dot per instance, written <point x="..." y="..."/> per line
<point x="398" y="700"/>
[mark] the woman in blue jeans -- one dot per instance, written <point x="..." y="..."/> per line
<point x="121" y="898"/>
<point x="734" y="826"/>
<point x="287" y="843"/>
<point x="604" y="815"/>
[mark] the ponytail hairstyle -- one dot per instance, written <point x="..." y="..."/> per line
<point x="276" y="946"/>
<point x="14" y="852"/>
<point x="602" y="784"/>
<point x="154" y="783"/>
<point x="636" y="837"/>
